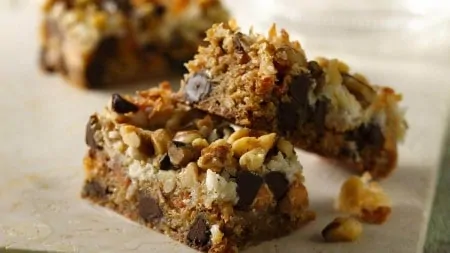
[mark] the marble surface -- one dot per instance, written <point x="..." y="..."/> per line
<point x="42" y="129"/>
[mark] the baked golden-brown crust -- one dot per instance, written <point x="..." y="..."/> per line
<point x="267" y="83"/>
<point x="98" y="42"/>
<point x="192" y="176"/>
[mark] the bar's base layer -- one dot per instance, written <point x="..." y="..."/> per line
<point x="109" y="187"/>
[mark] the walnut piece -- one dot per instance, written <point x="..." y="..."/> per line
<point x="342" y="229"/>
<point x="365" y="199"/>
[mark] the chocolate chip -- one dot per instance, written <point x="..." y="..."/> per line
<point x="297" y="111"/>
<point x="287" y="118"/>
<point x="367" y="135"/>
<point x="199" y="233"/>
<point x="96" y="68"/>
<point x="181" y="154"/>
<point x="320" y="114"/>
<point x="93" y="189"/>
<point x="121" y="105"/>
<point x="278" y="184"/>
<point x="148" y="208"/>
<point x="248" y="185"/>
<point x="198" y="87"/>
<point x="348" y="152"/>
<point x="374" y="136"/>
<point x="91" y="127"/>
<point x="164" y="162"/>
<point x="159" y="10"/>
<point x="299" y="88"/>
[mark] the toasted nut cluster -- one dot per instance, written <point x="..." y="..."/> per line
<point x="160" y="139"/>
<point x="251" y="151"/>
<point x="205" y="125"/>
<point x="286" y="147"/>
<point x="180" y="154"/>
<point x="129" y="136"/>
<point x="338" y="73"/>
<point x="253" y="160"/>
<point x="365" y="199"/>
<point x="216" y="156"/>
<point x="342" y="229"/>
<point x="187" y="137"/>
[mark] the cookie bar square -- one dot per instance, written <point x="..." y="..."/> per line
<point x="267" y="83"/>
<point x="192" y="176"/>
<point x="98" y="42"/>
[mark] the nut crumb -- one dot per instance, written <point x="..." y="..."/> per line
<point x="342" y="229"/>
<point x="365" y="199"/>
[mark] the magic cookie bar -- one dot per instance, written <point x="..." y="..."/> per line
<point x="266" y="83"/>
<point x="191" y="176"/>
<point x="97" y="42"/>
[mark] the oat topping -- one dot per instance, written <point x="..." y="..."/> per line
<point x="185" y="159"/>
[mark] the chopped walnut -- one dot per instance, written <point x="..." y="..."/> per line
<point x="216" y="156"/>
<point x="160" y="140"/>
<point x="187" y="136"/>
<point x="342" y="230"/>
<point x="245" y="144"/>
<point x="130" y="136"/>
<point x="253" y="160"/>
<point x="365" y="199"/>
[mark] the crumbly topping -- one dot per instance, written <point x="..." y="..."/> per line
<point x="200" y="154"/>
<point x="355" y="101"/>
<point x="261" y="74"/>
<point x="256" y="61"/>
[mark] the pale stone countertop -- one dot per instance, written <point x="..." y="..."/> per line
<point x="42" y="132"/>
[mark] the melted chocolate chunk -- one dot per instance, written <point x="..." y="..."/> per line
<point x="199" y="233"/>
<point x="197" y="88"/>
<point x="121" y="105"/>
<point x="320" y="114"/>
<point x="91" y="128"/>
<point x="367" y="135"/>
<point x="248" y="185"/>
<point x="299" y="88"/>
<point x="93" y="189"/>
<point x="297" y="111"/>
<point x="164" y="162"/>
<point x="287" y="118"/>
<point x="148" y="208"/>
<point x="278" y="184"/>
<point x="159" y="10"/>
<point x="96" y="67"/>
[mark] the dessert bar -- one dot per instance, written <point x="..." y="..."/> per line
<point x="267" y="83"/>
<point x="93" y="43"/>
<point x="192" y="176"/>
